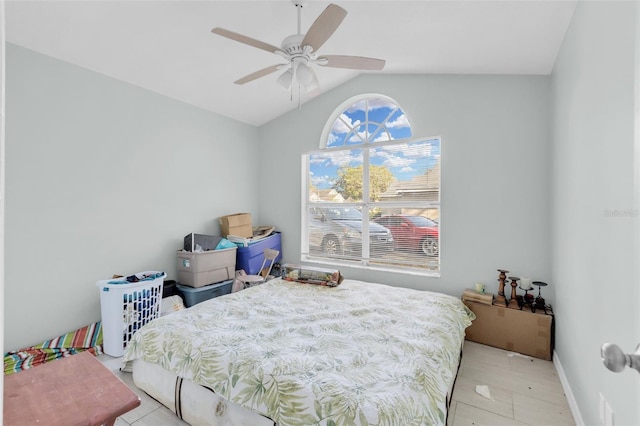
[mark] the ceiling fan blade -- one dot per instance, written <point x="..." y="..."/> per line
<point x="260" y="73"/>
<point x="324" y="25"/>
<point x="351" y="62"/>
<point x="246" y="40"/>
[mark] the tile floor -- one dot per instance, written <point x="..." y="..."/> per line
<point x="524" y="391"/>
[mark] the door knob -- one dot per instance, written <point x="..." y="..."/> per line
<point x="615" y="359"/>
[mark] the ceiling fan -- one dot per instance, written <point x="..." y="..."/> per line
<point x="301" y="50"/>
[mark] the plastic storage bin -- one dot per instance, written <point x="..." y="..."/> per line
<point x="193" y="296"/>
<point x="250" y="258"/>
<point x="197" y="269"/>
<point x="126" y="308"/>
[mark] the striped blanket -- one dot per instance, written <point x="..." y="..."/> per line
<point x="86" y="338"/>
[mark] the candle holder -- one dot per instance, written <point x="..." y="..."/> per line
<point x="526" y="300"/>
<point x="539" y="300"/>
<point x="527" y="297"/>
<point x="500" y="299"/>
<point x="534" y="302"/>
<point x="513" y="302"/>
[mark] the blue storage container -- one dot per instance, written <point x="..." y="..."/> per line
<point x="193" y="296"/>
<point x="250" y="258"/>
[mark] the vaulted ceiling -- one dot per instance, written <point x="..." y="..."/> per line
<point x="167" y="46"/>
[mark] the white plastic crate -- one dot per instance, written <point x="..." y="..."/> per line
<point x="127" y="307"/>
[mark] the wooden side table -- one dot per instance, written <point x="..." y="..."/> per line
<point x="77" y="390"/>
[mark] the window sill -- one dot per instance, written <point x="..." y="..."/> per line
<point x="381" y="268"/>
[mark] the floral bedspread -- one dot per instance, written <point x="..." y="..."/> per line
<point x="304" y="354"/>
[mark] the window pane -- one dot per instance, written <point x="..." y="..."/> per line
<point x="336" y="231"/>
<point x="340" y="131"/>
<point x="369" y="120"/>
<point x="336" y="176"/>
<point x="416" y="237"/>
<point x="405" y="172"/>
<point x="398" y="125"/>
<point x="400" y="226"/>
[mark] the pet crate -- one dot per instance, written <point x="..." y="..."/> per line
<point x="127" y="306"/>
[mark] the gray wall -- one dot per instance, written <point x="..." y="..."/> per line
<point x="495" y="182"/>
<point x="594" y="247"/>
<point x="2" y="174"/>
<point x="101" y="178"/>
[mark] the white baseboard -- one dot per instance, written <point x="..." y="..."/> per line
<point x="573" y="405"/>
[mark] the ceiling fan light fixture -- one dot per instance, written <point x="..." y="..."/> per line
<point x="300" y="51"/>
<point x="304" y="74"/>
<point x="314" y="85"/>
<point x="285" y="79"/>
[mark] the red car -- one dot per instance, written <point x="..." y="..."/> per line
<point x="413" y="233"/>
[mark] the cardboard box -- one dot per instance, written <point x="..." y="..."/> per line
<point x="197" y="269"/>
<point x="238" y="224"/>
<point x="514" y="330"/>
<point x="476" y="296"/>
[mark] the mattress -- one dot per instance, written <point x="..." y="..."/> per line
<point x="195" y="404"/>
<point x="291" y="353"/>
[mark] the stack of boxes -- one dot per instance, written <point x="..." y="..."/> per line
<point x="249" y="258"/>
<point x="205" y="272"/>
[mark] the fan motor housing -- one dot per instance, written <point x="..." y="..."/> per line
<point x="291" y="44"/>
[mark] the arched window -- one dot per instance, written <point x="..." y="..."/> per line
<point x="372" y="118"/>
<point x="372" y="191"/>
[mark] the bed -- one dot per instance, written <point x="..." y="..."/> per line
<point x="288" y="353"/>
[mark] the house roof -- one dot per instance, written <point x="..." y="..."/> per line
<point x="326" y="195"/>
<point x="427" y="182"/>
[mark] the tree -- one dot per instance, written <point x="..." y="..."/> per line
<point x="349" y="182"/>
